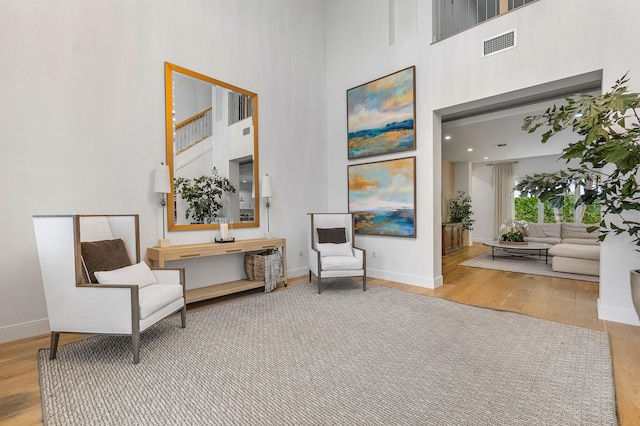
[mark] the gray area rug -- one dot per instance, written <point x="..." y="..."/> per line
<point x="526" y="265"/>
<point x="345" y="357"/>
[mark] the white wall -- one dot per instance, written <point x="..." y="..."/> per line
<point x="452" y="72"/>
<point x="482" y="202"/>
<point x="358" y="51"/>
<point x="83" y="119"/>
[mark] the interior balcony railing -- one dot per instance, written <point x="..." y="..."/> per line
<point x="453" y="16"/>
<point x="192" y="130"/>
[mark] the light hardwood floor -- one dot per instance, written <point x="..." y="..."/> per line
<point x="555" y="299"/>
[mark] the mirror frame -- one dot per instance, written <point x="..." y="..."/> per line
<point x="168" y="78"/>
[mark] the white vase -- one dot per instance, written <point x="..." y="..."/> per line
<point x="635" y="289"/>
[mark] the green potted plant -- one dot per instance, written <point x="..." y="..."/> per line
<point x="204" y="195"/>
<point x="460" y="212"/>
<point x="608" y="157"/>
<point x="513" y="231"/>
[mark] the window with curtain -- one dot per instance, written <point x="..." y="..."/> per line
<point x="503" y="197"/>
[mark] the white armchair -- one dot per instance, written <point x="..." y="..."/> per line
<point x="126" y="301"/>
<point x="332" y="251"/>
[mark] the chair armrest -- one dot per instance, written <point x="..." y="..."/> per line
<point x="169" y="275"/>
<point x="94" y="308"/>
<point x="361" y="254"/>
<point x="315" y="262"/>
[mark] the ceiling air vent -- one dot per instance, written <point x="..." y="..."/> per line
<point x="499" y="43"/>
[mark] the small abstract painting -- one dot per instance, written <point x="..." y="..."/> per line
<point x="380" y="115"/>
<point x="382" y="197"/>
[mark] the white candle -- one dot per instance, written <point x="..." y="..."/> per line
<point x="224" y="231"/>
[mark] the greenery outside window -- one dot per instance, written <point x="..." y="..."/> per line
<point x="530" y="209"/>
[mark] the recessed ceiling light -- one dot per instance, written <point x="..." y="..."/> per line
<point x="447" y="137"/>
<point x="469" y="149"/>
<point x="486" y="158"/>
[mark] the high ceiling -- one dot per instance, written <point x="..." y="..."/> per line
<point x="492" y="127"/>
<point x="498" y="136"/>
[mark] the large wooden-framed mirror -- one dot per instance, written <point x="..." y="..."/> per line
<point x="211" y="135"/>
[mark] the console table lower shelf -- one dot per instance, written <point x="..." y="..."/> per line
<point x="158" y="256"/>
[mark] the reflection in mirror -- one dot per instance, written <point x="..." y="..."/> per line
<point x="212" y="147"/>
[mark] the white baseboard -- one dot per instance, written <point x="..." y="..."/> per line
<point x="298" y="272"/>
<point x="482" y="240"/>
<point x="384" y="275"/>
<point x="405" y="279"/>
<point x="24" y="330"/>
<point x="615" y="314"/>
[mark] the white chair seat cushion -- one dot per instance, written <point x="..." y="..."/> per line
<point x="135" y="274"/>
<point x="333" y="249"/>
<point x="341" y="263"/>
<point x="157" y="296"/>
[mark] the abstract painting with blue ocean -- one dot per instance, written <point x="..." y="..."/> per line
<point x="393" y="222"/>
<point x="396" y="136"/>
<point x="382" y="197"/>
<point x="381" y="115"/>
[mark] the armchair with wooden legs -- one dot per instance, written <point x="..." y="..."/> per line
<point x="94" y="280"/>
<point x="332" y="252"/>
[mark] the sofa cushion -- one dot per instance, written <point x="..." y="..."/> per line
<point x="583" y="241"/>
<point x="542" y="230"/>
<point x="534" y="230"/>
<point x="576" y="233"/>
<point x="578" y="230"/>
<point x="575" y="266"/>
<point x="578" y="251"/>
<point x="546" y="240"/>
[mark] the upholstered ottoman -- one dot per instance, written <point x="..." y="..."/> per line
<point x="576" y="258"/>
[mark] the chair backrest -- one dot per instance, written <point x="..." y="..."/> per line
<point x="92" y="228"/>
<point x="58" y="242"/>
<point x="331" y="220"/>
<point x="109" y="227"/>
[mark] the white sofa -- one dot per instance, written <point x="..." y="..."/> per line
<point x="574" y="249"/>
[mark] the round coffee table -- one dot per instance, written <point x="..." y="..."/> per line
<point x="504" y="247"/>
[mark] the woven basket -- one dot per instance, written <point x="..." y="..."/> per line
<point x="254" y="264"/>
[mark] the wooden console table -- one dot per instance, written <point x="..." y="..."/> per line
<point x="159" y="255"/>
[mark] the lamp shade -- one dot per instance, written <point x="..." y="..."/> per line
<point x="161" y="181"/>
<point x="267" y="190"/>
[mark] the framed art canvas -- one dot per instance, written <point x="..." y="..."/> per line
<point x="382" y="197"/>
<point x="381" y="115"/>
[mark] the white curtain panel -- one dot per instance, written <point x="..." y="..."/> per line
<point x="503" y="183"/>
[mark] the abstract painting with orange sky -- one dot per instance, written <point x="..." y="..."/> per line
<point x="382" y="197"/>
<point x="380" y="115"/>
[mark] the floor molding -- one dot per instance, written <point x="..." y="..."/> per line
<point x="24" y="330"/>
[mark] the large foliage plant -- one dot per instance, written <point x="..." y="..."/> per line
<point x="204" y="195"/>
<point x="607" y="153"/>
<point x="460" y="210"/>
